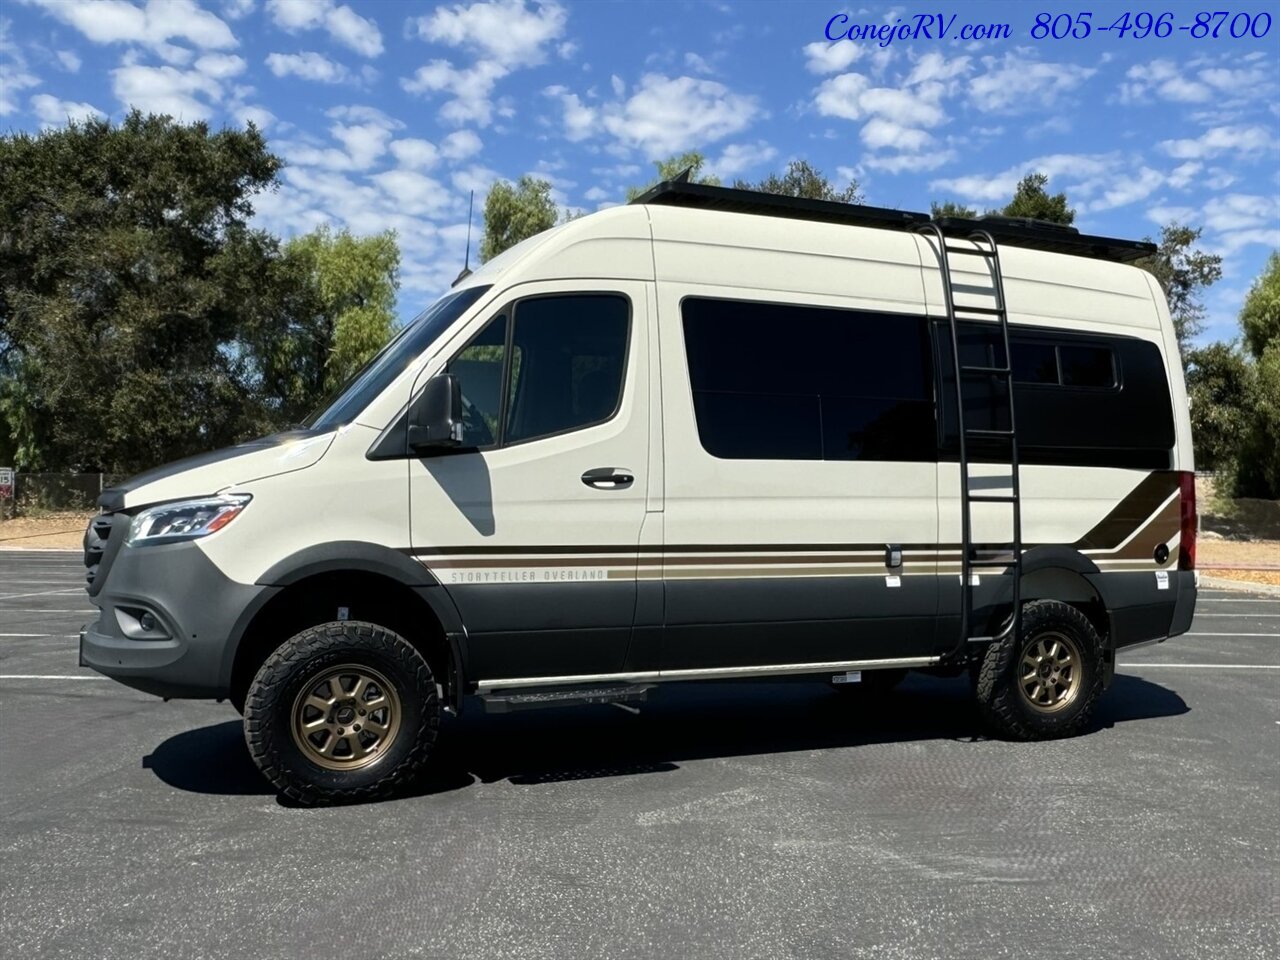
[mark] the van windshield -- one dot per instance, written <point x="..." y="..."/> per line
<point x="392" y="360"/>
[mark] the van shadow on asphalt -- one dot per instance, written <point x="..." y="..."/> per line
<point x="679" y="723"/>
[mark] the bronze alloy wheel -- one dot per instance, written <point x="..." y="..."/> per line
<point x="345" y="717"/>
<point x="1049" y="672"/>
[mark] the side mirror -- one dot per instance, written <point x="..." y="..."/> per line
<point x="435" y="419"/>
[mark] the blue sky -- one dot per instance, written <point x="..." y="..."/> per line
<point x="387" y="113"/>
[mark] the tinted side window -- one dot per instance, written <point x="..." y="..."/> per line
<point x="786" y="382"/>
<point x="1081" y="399"/>
<point x="568" y="363"/>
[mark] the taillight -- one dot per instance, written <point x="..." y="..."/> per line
<point x="1187" y="545"/>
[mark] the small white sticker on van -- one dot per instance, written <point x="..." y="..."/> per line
<point x="1162" y="579"/>
<point x="892" y="581"/>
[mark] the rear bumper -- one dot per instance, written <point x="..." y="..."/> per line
<point x="199" y="613"/>
<point x="1143" y="607"/>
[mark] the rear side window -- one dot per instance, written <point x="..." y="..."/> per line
<point x="1082" y="399"/>
<point x="559" y="365"/>
<point x="788" y="382"/>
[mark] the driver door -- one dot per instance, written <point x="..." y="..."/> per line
<point x="532" y="524"/>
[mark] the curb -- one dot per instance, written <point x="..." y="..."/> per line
<point x="1242" y="586"/>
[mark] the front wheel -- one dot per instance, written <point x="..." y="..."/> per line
<point x="342" y="712"/>
<point x="1043" y="683"/>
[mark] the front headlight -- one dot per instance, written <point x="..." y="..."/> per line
<point x="185" y="520"/>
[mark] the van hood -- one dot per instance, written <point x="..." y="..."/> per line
<point x="208" y="473"/>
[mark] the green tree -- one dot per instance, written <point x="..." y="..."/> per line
<point x="950" y="209"/>
<point x="1260" y="318"/>
<point x="1220" y="386"/>
<point x="673" y="166"/>
<point x="803" y="180"/>
<point x="332" y="306"/>
<point x="1183" y="271"/>
<point x="1258" y="474"/>
<point x="123" y="254"/>
<point x="1030" y="199"/>
<point x="515" y="212"/>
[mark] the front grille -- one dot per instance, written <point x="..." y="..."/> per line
<point x="96" y="539"/>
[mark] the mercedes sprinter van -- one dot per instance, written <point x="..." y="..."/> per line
<point x="709" y="434"/>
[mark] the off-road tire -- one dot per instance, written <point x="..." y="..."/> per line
<point x="1004" y="706"/>
<point x="874" y="683"/>
<point x="270" y="703"/>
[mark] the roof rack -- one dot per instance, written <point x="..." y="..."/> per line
<point x="675" y="193"/>
<point x="1011" y="231"/>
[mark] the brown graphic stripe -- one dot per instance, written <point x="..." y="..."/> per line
<point x="1131" y="512"/>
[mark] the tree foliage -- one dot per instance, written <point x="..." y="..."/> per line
<point x="949" y="208"/>
<point x="335" y="308"/>
<point x="801" y="179"/>
<point x="673" y="166"/>
<point x="1260" y="318"/>
<point x="123" y="254"/>
<point x="515" y="212"/>
<point x="1030" y="199"/>
<point x="1183" y="271"/>
<point x="1220" y="386"/>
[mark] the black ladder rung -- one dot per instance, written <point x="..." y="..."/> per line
<point x="977" y="253"/>
<point x="971" y="432"/>
<point x="996" y="370"/>
<point x="992" y="498"/>
<point x="986" y="311"/>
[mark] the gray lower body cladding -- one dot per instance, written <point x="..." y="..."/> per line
<point x="199" y="610"/>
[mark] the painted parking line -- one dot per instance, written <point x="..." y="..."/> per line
<point x="52" y="676"/>
<point x="1202" y="666"/>
<point x="1273" y="636"/>
<point x="40" y="593"/>
<point x="1200" y="600"/>
<point x="1251" y="616"/>
<point x="62" y="636"/>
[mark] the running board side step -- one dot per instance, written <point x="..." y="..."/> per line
<point x="511" y="701"/>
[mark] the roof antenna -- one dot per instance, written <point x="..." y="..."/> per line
<point x="466" y="265"/>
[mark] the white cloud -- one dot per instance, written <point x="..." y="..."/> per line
<point x="668" y="114"/>
<point x="507" y="32"/>
<point x="470" y="88"/>
<point x="309" y="66"/>
<point x="220" y="65"/>
<point x="1196" y="82"/>
<point x="238" y="9"/>
<point x="412" y="152"/>
<point x="697" y="64"/>
<point x="737" y="158"/>
<point x="1018" y="84"/>
<point x="153" y="25"/>
<point x="821" y="57"/>
<point x="1085" y="173"/>
<point x="183" y="94"/>
<point x="503" y="36"/>
<point x="343" y="24"/>
<point x="414" y="193"/>
<point x="1239" y="211"/>
<point x="842" y="96"/>
<point x="1238" y="140"/>
<point x="909" y="162"/>
<point x="1184" y="175"/>
<point x="70" y="60"/>
<point x="595" y="195"/>
<point x="53" y="112"/>
<point x="1129" y="188"/>
<point x="879" y="133"/>
<point x="460" y="144"/>
<point x="13" y="80"/>
<point x="259" y="116"/>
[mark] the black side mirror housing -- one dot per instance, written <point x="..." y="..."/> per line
<point x="435" y="418"/>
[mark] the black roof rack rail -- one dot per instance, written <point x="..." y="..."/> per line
<point x="705" y="197"/>
<point x="1052" y="237"/>
<point x="1011" y="231"/>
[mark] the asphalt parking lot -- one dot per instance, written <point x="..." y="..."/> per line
<point x="778" y="820"/>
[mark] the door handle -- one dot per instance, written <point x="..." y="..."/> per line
<point x="608" y="478"/>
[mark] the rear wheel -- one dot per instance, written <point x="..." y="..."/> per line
<point x="342" y="712"/>
<point x="1043" y="683"/>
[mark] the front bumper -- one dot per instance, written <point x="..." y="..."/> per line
<point x="200" y="615"/>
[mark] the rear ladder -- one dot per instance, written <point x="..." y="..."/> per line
<point x="987" y="555"/>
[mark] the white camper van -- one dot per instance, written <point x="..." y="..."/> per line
<point x="710" y="434"/>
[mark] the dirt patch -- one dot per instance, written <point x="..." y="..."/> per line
<point x="51" y="531"/>
<point x="1237" y="553"/>
<point x="1232" y="519"/>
